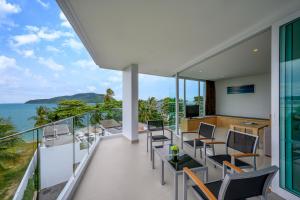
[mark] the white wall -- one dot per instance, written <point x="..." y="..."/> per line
<point x="256" y="105"/>
<point x="56" y="163"/>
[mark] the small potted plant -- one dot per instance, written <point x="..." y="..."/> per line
<point x="175" y="151"/>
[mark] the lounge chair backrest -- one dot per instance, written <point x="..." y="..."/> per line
<point x="155" y="125"/>
<point x="49" y="131"/>
<point x="62" y="129"/>
<point x="242" y="142"/>
<point x="206" y="130"/>
<point x="247" y="184"/>
<point x="110" y="123"/>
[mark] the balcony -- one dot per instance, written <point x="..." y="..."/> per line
<point x="76" y="159"/>
<point x="120" y="170"/>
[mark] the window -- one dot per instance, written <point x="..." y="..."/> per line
<point x="290" y="107"/>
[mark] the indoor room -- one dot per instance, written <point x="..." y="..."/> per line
<point x="231" y="90"/>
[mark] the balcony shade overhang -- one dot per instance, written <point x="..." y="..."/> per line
<point x="166" y="37"/>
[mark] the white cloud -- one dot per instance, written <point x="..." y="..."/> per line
<point x="38" y="78"/>
<point x="65" y="22"/>
<point x="27" y="53"/>
<point x="20" y="40"/>
<point x="52" y="49"/>
<point x="36" y="34"/>
<point x="114" y="79"/>
<point x="91" y="88"/>
<point x="86" y="64"/>
<point x="56" y="75"/>
<point x="51" y="64"/>
<point x="8" y="9"/>
<point x="9" y="81"/>
<point x="74" y="44"/>
<point x="32" y="28"/>
<point x="6" y="62"/>
<point x="42" y="3"/>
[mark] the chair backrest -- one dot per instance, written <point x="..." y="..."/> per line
<point x="247" y="184"/>
<point x="110" y="123"/>
<point x="155" y="125"/>
<point x="62" y="129"/>
<point x="242" y="142"/>
<point x="206" y="130"/>
<point x="49" y="131"/>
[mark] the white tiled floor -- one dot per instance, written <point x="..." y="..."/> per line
<point x="121" y="170"/>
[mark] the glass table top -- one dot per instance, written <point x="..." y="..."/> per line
<point x="183" y="160"/>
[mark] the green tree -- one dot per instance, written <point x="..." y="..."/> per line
<point x="109" y="109"/>
<point x="69" y="108"/>
<point x="109" y="95"/>
<point x="7" y="129"/>
<point x="148" y="110"/>
<point x="200" y="101"/>
<point x="42" y="116"/>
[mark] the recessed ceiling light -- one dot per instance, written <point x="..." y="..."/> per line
<point x="255" y="50"/>
<point x="200" y="70"/>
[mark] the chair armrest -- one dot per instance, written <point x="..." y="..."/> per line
<point x="241" y="155"/>
<point x="214" y="142"/>
<point x="203" y="138"/>
<point x="199" y="183"/>
<point x="185" y="132"/>
<point x="233" y="167"/>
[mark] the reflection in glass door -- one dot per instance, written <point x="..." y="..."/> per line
<point x="290" y="107"/>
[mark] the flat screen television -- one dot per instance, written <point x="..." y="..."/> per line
<point x="192" y="111"/>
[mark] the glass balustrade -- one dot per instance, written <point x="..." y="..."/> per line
<point x="38" y="163"/>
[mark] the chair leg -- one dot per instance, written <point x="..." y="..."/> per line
<point x="181" y="140"/>
<point x="195" y="149"/>
<point x="254" y="163"/>
<point x="147" y="142"/>
<point x="151" y="149"/>
<point x="201" y="152"/>
<point x="153" y="159"/>
<point x="185" y="186"/>
<point x="204" y="153"/>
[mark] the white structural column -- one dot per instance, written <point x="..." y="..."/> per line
<point x="130" y="102"/>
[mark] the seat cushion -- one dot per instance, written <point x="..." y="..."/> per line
<point x="214" y="187"/>
<point x="159" y="137"/>
<point x="221" y="158"/>
<point x="191" y="143"/>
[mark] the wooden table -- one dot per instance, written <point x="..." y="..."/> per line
<point x="253" y="128"/>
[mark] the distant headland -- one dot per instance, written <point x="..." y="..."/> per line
<point x="85" y="97"/>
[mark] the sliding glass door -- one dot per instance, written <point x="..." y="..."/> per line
<point x="290" y="106"/>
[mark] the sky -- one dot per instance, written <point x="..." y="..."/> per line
<point x="42" y="57"/>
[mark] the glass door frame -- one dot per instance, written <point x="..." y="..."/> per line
<point x="185" y="79"/>
<point x="275" y="102"/>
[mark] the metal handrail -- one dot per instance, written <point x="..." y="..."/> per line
<point x="49" y="124"/>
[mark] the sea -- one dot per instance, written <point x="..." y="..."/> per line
<point x="20" y="114"/>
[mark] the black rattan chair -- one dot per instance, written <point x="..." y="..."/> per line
<point x="205" y="132"/>
<point x="157" y="126"/>
<point x="244" y="143"/>
<point x="240" y="185"/>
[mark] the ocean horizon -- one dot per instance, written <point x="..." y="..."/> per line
<point x="20" y="114"/>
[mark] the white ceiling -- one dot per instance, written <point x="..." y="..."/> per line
<point x="166" y="36"/>
<point x="250" y="57"/>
